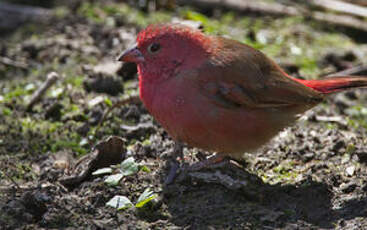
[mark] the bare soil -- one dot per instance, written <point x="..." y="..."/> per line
<point x="311" y="176"/>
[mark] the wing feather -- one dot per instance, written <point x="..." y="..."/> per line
<point x="239" y="75"/>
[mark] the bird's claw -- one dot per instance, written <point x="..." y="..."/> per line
<point x="173" y="172"/>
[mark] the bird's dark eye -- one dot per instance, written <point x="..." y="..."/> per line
<point x="154" y="48"/>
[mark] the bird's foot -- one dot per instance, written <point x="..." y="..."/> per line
<point x="216" y="161"/>
<point x="176" y="168"/>
<point x="174" y="164"/>
<point x="173" y="172"/>
<point x="208" y="169"/>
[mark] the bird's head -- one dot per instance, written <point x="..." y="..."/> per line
<point x="166" y="49"/>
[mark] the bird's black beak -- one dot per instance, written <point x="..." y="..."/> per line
<point x="131" y="55"/>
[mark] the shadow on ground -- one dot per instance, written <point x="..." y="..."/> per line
<point x="257" y="205"/>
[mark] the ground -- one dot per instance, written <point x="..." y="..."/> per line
<point x="311" y="176"/>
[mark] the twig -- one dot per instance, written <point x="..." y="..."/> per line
<point x="342" y="7"/>
<point x="277" y="9"/>
<point x="244" y="6"/>
<point x="36" y="97"/>
<point x="358" y="70"/>
<point x="340" y="20"/>
<point x="12" y="15"/>
<point x="131" y="100"/>
<point x="358" y="2"/>
<point x="7" y="61"/>
<point x="335" y="119"/>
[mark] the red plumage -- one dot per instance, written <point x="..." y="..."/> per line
<point x="336" y="84"/>
<point x="219" y="94"/>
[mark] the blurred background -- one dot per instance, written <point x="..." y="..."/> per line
<point x="302" y="35"/>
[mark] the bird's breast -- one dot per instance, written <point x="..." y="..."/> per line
<point x="169" y="103"/>
<point x="191" y="117"/>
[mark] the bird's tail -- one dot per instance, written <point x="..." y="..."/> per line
<point x="336" y="84"/>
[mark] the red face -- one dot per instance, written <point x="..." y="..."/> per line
<point x="162" y="51"/>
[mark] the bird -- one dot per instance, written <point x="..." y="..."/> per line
<point x="218" y="94"/>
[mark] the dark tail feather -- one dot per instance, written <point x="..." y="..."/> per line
<point x="336" y="84"/>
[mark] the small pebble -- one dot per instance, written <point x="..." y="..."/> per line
<point x="350" y="170"/>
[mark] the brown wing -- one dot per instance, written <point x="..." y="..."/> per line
<point x="239" y="75"/>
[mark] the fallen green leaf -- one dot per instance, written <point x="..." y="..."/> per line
<point x="119" y="202"/>
<point x="102" y="171"/>
<point x="114" y="179"/>
<point x="144" y="168"/>
<point x="145" y="197"/>
<point x="108" y="102"/>
<point x="57" y="92"/>
<point x="129" y="167"/>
